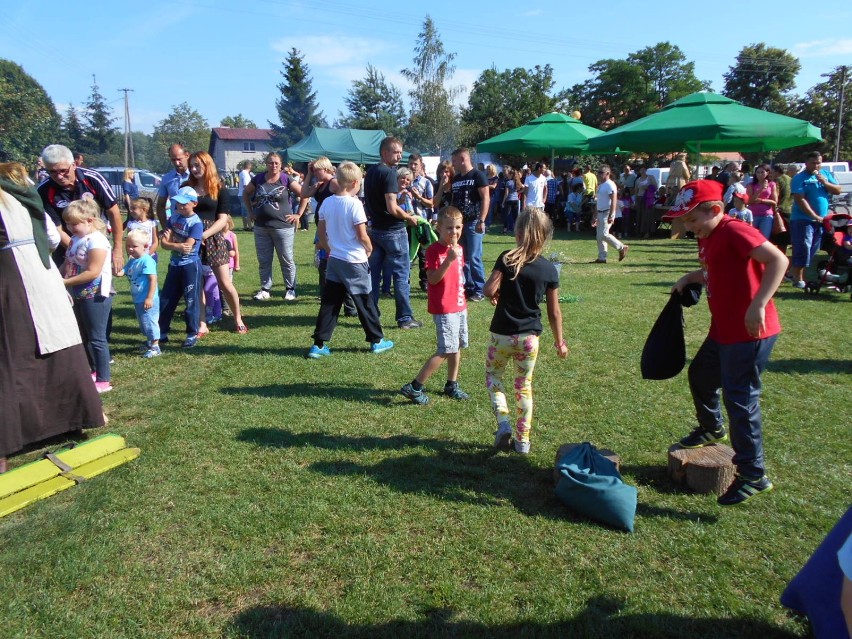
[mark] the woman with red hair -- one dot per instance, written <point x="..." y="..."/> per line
<point x="213" y="210"/>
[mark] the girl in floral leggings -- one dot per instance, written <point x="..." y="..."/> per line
<point x="520" y="280"/>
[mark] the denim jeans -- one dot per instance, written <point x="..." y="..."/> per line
<point x="474" y="272"/>
<point x="149" y="321"/>
<point x="268" y="240"/>
<point x="806" y="237"/>
<point x="735" y="370"/>
<point x="181" y="281"/>
<point x="764" y="225"/>
<point x="392" y="247"/>
<point x="92" y="318"/>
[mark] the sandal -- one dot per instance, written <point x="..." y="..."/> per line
<point x="242" y="329"/>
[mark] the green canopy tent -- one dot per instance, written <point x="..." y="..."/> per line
<point x="550" y="133"/>
<point x="338" y="145"/>
<point x="708" y="122"/>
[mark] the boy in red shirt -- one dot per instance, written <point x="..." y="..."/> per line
<point x="448" y="306"/>
<point x="741" y="272"/>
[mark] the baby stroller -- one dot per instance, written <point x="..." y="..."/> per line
<point x="835" y="271"/>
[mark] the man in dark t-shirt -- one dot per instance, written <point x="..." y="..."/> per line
<point x="387" y="230"/>
<point x="471" y="196"/>
<point x="67" y="183"/>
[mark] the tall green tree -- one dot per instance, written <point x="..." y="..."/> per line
<point x="28" y="117"/>
<point x="238" y="121"/>
<point x="666" y="73"/>
<point x="821" y="106"/>
<point x="184" y="125"/>
<point x="100" y="137"/>
<point x="615" y="94"/>
<point x="374" y="104"/>
<point x="297" y="107"/>
<point x="763" y="77"/>
<point x="503" y="100"/>
<point x="433" y="121"/>
<point x="621" y="91"/>
<point x="72" y="128"/>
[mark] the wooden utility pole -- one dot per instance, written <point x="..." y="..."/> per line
<point x="128" y="135"/>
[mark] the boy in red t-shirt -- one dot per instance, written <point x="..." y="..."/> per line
<point x="448" y="306"/>
<point x="741" y="272"/>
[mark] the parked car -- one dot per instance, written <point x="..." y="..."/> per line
<point x="147" y="182"/>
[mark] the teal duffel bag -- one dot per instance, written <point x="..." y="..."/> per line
<point x="590" y="484"/>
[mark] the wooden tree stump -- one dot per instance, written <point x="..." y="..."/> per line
<point x="708" y="469"/>
<point x="564" y="449"/>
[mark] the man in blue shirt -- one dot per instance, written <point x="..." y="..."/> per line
<point x="172" y="180"/>
<point x="812" y="190"/>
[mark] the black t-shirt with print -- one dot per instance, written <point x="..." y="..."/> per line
<point x="518" y="307"/>
<point x="466" y="196"/>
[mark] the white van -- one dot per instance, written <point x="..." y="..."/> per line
<point x="834" y="167"/>
<point x="660" y="175"/>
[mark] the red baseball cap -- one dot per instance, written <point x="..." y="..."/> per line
<point x="742" y="195"/>
<point x="694" y="193"/>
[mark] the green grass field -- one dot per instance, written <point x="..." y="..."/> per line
<point x="283" y="497"/>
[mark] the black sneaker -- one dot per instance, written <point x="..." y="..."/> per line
<point x="743" y="489"/>
<point x="701" y="437"/>
<point x="412" y="323"/>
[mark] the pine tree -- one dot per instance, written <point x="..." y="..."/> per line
<point x="374" y="105"/>
<point x="99" y="135"/>
<point x="297" y="106"/>
<point x="72" y="129"/>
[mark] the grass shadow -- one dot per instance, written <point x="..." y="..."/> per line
<point x="807" y="366"/>
<point x="601" y="618"/>
<point x="326" y="391"/>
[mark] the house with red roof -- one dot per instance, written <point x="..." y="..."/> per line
<point x="231" y="147"/>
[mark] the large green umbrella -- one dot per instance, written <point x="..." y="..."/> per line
<point x="708" y="122"/>
<point x="550" y="133"/>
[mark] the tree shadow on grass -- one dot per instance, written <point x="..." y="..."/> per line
<point x="807" y="366"/>
<point x="325" y="391"/>
<point x="473" y="474"/>
<point x="826" y="297"/>
<point x="279" y="321"/>
<point x="599" y="620"/>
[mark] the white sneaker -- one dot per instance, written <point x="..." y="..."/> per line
<point x="262" y="294"/>
<point x="522" y="447"/>
<point x="799" y="284"/>
<point x="502" y="436"/>
<point x="290" y="296"/>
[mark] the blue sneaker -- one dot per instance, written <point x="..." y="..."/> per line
<point x="316" y="352"/>
<point x="153" y="351"/>
<point x="382" y="346"/>
<point x="189" y="342"/>
<point x="416" y="396"/>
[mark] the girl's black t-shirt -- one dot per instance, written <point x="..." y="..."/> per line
<point x="518" y="307"/>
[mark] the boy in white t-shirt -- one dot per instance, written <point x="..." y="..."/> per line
<point x="342" y="233"/>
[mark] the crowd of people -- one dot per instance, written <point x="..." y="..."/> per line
<point x="371" y="228"/>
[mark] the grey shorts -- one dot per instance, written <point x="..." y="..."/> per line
<point x="355" y="276"/>
<point x="451" y="329"/>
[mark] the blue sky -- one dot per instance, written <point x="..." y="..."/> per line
<point x="224" y="58"/>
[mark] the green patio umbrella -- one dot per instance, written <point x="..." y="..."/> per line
<point x="550" y="133"/>
<point x="707" y="122"/>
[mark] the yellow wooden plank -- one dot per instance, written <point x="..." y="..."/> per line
<point x="29" y="495"/>
<point x="54" y="485"/>
<point x="39" y="471"/>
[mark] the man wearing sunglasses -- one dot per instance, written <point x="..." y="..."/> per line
<point x="67" y="183"/>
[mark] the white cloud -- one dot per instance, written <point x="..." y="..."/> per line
<point x="331" y="50"/>
<point x="533" y="13"/>
<point x="818" y="48"/>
